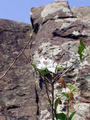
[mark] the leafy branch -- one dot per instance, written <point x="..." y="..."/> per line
<point x="81" y="49"/>
<point x="55" y="74"/>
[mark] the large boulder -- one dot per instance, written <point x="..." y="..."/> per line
<point x="52" y="11"/>
<point x="58" y="39"/>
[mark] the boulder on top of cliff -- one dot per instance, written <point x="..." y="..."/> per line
<point x="52" y="11"/>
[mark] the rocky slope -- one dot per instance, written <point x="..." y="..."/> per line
<point x="58" y="29"/>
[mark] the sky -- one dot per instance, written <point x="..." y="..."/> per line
<point x="19" y="10"/>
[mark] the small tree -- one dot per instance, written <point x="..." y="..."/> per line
<point x="50" y="73"/>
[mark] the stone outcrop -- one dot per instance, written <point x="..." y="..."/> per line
<point x="51" y="11"/>
<point x="58" y="39"/>
<point x="58" y="29"/>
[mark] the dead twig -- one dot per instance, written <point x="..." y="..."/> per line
<point x="14" y="61"/>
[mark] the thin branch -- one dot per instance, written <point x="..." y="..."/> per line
<point x="14" y="61"/>
<point x="47" y="93"/>
<point x="44" y="77"/>
<point x="52" y="105"/>
<point x="64" y="72"/>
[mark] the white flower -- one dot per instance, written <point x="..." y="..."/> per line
<point x="66" y="90"/>
<point x="47" y="63"/>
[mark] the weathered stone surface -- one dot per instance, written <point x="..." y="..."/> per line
<point x="17" y="88"/>
<point x="58" y="39"/>
<point x="81" y="12"/>
<point x="54" y="10"/>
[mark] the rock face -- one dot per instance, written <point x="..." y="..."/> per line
<point x="17" y="88"/>
<point x="58" y="34"/>
<point x="51" y="11"/>
<point x="81" y="12"/>
<point x="58" y="30"/>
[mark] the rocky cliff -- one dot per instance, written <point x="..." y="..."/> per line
<point x="57" y="31"/>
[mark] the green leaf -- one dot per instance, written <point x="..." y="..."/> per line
<point x="49" y="101"/>
<point x="74" y="90"/>
<point x="46" y="85"/>
<point x="70" y="87"/>
<point x="80" y="49"/>
<point x="61" y="116"/>
<point x="65" y="94"/>
<point x="44" y="71"/>
<point x="34" y="65"/>
<point x="31" y="34"/>
<point x="82" y="44"/>
<point x="59" y="68"/>
<point x="56" y="103"/>
<point x="71" y="116"/>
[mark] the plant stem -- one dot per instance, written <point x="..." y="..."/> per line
<point x="52" y="107"/>
<point x="47" y="94"/>
<point x="68" y="110"/>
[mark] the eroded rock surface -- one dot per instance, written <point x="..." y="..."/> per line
<point x="52" y="11"/>
<point x="17" y="88"/>
<point x="81" y="12"/>
<point x="58" y="39"/>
